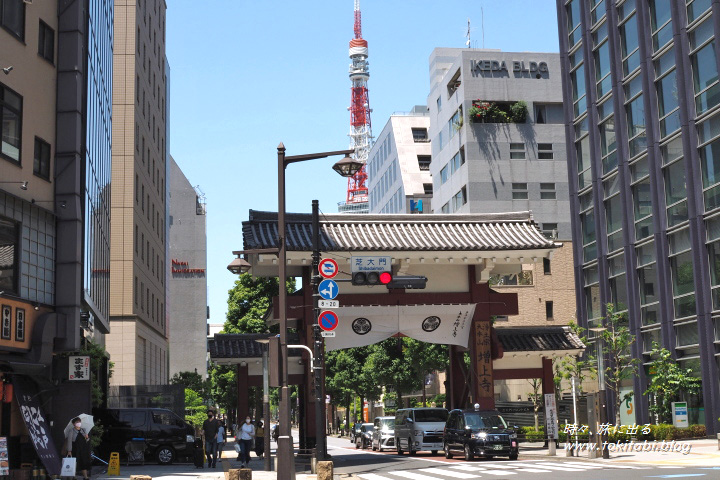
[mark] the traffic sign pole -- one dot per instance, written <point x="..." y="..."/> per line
<point x="318" y="345"/>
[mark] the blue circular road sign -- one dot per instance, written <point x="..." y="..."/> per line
<point x="328" y="289"/>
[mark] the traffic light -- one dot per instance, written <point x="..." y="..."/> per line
<point x="371" y="278"/>
<point x="408" y="282"/>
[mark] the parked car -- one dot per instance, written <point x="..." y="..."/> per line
<point x="355" y="430"/>
<point x="166" y="435"/>
<point x="419" y="429"/>
<point x="383" y="433"/>
<point x="482" y="433"/>
<point x="363" y="438"/>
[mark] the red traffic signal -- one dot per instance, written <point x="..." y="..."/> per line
<point x="371" y="278"/>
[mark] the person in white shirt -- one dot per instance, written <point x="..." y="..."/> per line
<point x="220" y="440"/>
<point x="246" y="435"/>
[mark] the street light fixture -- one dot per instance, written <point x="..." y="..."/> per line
<point x="23" y="184"/>
<point x="345" y="167"/>
<point x="238" y="266"/>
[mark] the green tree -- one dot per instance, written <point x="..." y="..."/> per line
<point x="193" y="381"/>
<point x="669" y="383"/>
<point x="582" y="367"/>
<point x="537" y="399"/>
<point x="195" y="408"/>
<point x="617" y="341"/>
<point x="426" y="358"/>
<point x="223" y="390"/>
<point x="248" y="302"/>
<point x="392" y="365"/>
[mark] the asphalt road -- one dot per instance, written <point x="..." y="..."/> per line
<point x="369" y="465"/>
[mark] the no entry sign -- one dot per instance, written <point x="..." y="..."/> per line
<point x="328" y="320"/>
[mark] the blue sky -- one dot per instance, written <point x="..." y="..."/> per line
<point x="245" y="76"/>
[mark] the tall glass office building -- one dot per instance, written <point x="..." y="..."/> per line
<point x="642" y="112"/>
<point x="96" y="274"/>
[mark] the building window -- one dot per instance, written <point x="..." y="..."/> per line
<point x="428" y="188"/>
<point x="661" y="23"/>
<point x="577" y="79"/>
<point x="549" y="310"/>
<point x="41" y="162"/>
<point x="12" y="17"/>
<point x="674" y="176"/>
<point x="46" y="42"/>
<point x="629" y="43"/>
<point x="591" y="292"/>
<point x="517" y="151"/>
<point x="439" y="103"/>
<point x="704" y="66"/>
<point x="445" y="174"/>
<point x="550" y="230"/>
<point x="547" y="191"/>
<point x="613" y="213"/>
<point x="445" y="208"/>
<point x="648" y="282"/>
<point x="642" y="199"/>
<point x="424" y="162"/>
<point x="608" y="145"/>
<point x="519" y="191"/>
<point x="681" y="270"/>
<point x="545" y="151"/>
<point x="587" y="227"/>
<point x="601" y="55"/>
<point x="459" y="199"/>
<point x="524" y="278"/>
<point x="540" y="114"/>
<point x="6" y="329"/>
<point x="135" y="290"/>
<point x="20" y="324"/>
<point x="457" y="161"/>
<point x="572" y="10"/>
<point x="9" y="248"/>
<point x="666" y="86"/>
<point x="420" y="135"/>
<point x="618" y="282"/>
<point x="11" y="113"/>
<point x="546" y="266"/>
<point x="709" y="164"/>
<point x="713" y="239"/>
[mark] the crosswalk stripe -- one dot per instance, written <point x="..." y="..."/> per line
<point x="582" y="465"/>
<point x="469" y="468"/>
<point x="499" y="472"/>
<point x="413" y="475"/>
<point x="442" y="471"/>
<point x="372" y="476"/>
<point x="555" y="467"/>
<point x="533" y="470"/>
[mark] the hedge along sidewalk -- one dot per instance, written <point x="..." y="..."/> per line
<point x="703" y="452"/>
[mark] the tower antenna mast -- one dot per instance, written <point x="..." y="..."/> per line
<point x="360" y="127"/>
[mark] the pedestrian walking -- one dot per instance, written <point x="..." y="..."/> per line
<point x="259" y="439"/>
<point x="78" y="446"/>
<point x="246" y="435"/>
<point x="220" y="440"/>
<point x="210" y="430"/>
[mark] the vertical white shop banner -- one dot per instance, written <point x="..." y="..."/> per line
<point x="445" y="324"/>
<point x="360" y="326"/>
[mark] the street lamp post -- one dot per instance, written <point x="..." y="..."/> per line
<point x="346" y="167"/>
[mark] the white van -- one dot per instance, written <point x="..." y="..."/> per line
<point x="419" y="429"/>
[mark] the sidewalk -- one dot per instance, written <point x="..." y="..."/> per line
<point x="699" y="453"/>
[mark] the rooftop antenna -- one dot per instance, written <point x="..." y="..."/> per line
<point x="467" y="43"/>
<point x="482" y="25"/>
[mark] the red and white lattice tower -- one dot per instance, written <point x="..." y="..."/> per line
<point x="360" y="131"/>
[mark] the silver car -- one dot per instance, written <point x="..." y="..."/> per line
<point x="383" y="433"/>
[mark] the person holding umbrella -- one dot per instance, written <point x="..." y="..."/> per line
<point x="78" y="444"/>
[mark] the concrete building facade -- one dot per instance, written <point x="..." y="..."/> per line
<point x="399" y="165"/>
<point x="498" y="162"/>
<point x="138" y="343"/>
<point x="642" y="106"/>
<point x="188" y="276"/>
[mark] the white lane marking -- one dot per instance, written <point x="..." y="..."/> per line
<point x="581" y="465"/>
<point x="442" y="471"/>
<point x="555" y="467"/>
<point x="413" y="475"/>
<point x="468" y="468"/>
<point x="498" y="465"/>
<point x="533" y="470"/>
<point x="500" y="472"/>
<point x="372" y="476"/>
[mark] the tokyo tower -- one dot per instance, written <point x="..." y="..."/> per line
<point x="360" y="130"/>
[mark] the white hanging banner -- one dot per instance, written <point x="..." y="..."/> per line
<point x="445" y="324"/>
<point x="361" y="326"/>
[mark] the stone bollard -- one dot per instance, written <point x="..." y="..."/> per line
<point x="325" y="470"/>
<point x="140" y="477"/>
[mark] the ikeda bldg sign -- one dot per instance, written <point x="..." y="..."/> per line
<point x="519" y="68"/>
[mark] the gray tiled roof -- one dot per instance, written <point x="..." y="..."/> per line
<point x="537" y="339"/>
<point x="362" y="232"/>
<point x="244" y="345"/>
